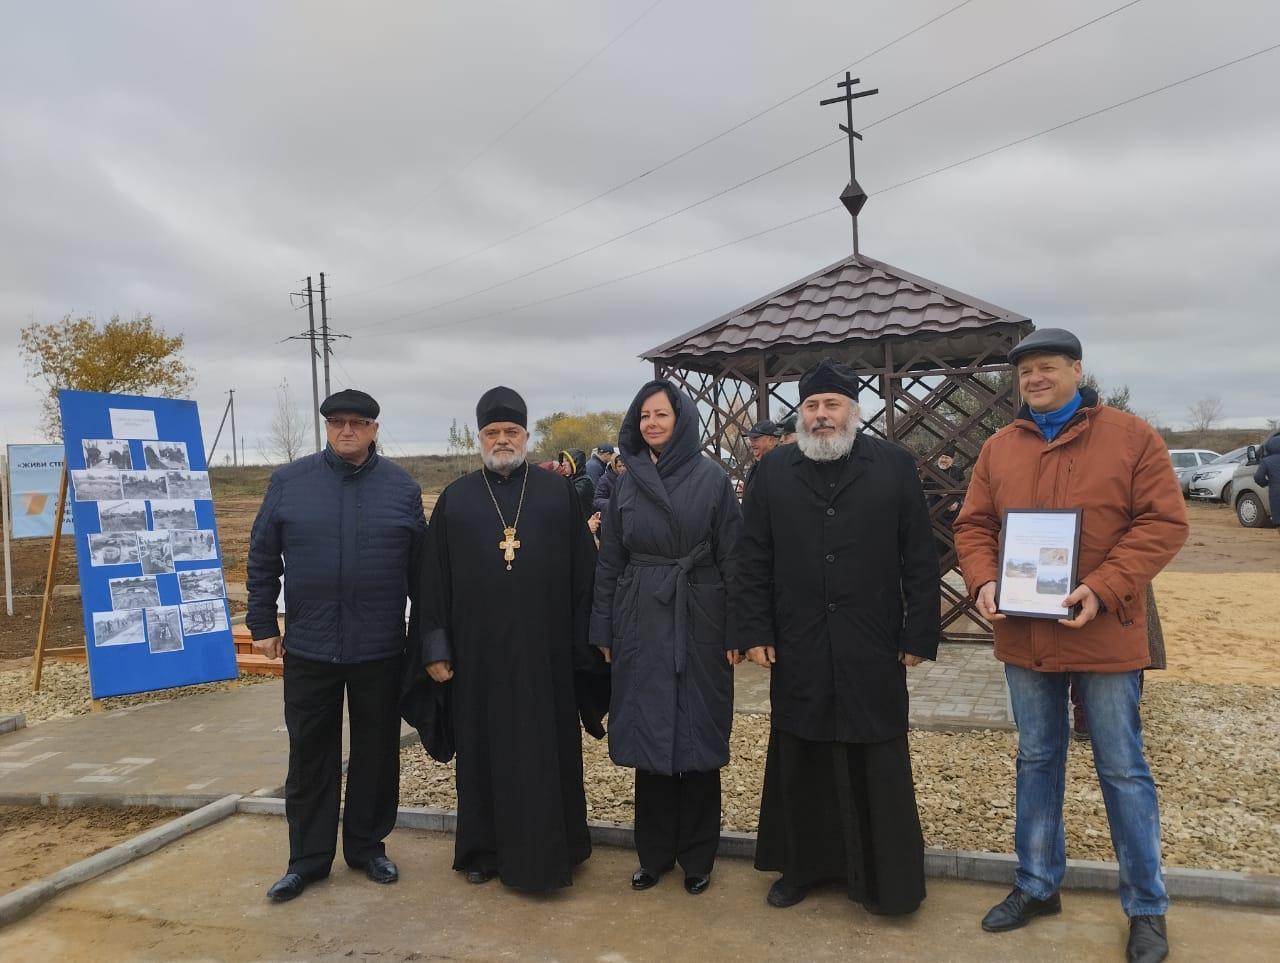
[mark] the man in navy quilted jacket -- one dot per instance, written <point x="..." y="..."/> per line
<point x="349" y="526"/>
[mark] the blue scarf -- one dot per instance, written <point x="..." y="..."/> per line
<point x="1052" y="422"/>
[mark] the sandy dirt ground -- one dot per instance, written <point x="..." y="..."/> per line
<point x="161" y="908"/>
<point x="38" y="840"/>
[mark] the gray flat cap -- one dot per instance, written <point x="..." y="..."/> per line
<point x="1047" y="341"/>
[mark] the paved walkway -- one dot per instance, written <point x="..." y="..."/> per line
<point x="202" y="898"/>
<point x="235" y="741"/>
<point x="964" y="689"/>
<point x="202" y="745"/>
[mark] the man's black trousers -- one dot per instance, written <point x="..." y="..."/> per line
<point x="313" y="696"/>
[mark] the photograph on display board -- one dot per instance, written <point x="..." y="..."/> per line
<point x="166" y="455"/>
<point x="201" y="617"/>
<point x="107" y="453"/>
<point x="118" y="628"/>
<point x="137" y="592"/>
<point x="164" y="628"/>
<point x="201" y="583"/>
<point x="113" y="548"/>
<point x="92" y="485"/>
<point x="173" y="513"/>
<point x="189" y="484"/>
<point x="154" y="553"/>
<point x="145" y="484"/>
<point x="193" y="546"/>
<point x="129" y="516"/>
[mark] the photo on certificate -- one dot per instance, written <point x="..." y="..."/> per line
<point x="1039" y="551"/>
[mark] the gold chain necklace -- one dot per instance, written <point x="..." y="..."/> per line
<point x="509" y="544"/>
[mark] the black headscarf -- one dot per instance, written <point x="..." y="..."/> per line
<point x="681" y="450"/>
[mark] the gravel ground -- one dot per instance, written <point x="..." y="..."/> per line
<point x="64" y="691"/>
<point x="1213" y="750"/>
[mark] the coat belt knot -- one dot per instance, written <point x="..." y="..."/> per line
<point x="675" y="585"/>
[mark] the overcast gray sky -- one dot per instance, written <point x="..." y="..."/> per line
<point x="195" y="161"/>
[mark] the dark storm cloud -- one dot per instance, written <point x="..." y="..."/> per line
<point x="196" y="161"/>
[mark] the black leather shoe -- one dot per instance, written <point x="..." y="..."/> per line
<point x="694" y="885"/>
<point x="380" y="869"/>
<point x="1017" y="910"/>
<point x="1148" y="940"/>
<point x="478" y="876"/>
<point x="644" y="879"/>
<point x="287" y="887"/>
<point x="782" y="894"/>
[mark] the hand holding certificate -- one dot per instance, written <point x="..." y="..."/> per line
<point x="1038" y="562"/>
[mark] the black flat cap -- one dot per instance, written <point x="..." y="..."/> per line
<point x="829" y="376"/>
<point x="605" y="449"/>
<point x="501" y="404"/>
<point x="349" y="399"/>
<point x="764" y="429"/>
<point x="788" y="424"/>
<point x="1047" y="341"/>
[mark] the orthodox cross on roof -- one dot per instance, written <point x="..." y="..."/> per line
<point x="853" y="196"/>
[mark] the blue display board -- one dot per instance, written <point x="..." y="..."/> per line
<point x="151" y="581"/>
<point x="35" y="472"/>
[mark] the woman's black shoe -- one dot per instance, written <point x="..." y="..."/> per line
<point x="478" y="876"/>
<point x="693" y="885"/>
<point x="644" y="879"/>
<point x="782" y="894"/>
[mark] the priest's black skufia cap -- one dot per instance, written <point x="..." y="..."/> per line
<point x="1047" y="341"/>
<point x="764" y="429"/>
<point x="349" y="399"/>
<point x="829" y="376"/>
<point x="501" y="404"/>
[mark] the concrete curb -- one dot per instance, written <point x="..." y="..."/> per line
<point x="150" y="800"/>
<point x="11" y="722"/>
<point x="1238" y="889"/>
<point x="20" y="902"/>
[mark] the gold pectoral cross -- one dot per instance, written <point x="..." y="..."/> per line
<point x="508" y="546"/>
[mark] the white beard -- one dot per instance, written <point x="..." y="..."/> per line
<point x="501" y="462"/>
<point x="829" y="447"/>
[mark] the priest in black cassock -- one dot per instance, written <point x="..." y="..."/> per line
<point x="839" y="594"/>
<point x="505" y="599"/>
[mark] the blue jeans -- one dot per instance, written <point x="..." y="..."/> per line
<point x="1040" y="709"/>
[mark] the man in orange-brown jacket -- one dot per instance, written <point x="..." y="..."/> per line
<point x="1066" y="450"/>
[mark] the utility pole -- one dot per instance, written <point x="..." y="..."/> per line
<point x="232" y="404"/>
<point x="315" y="387"/>
<point x="324" y="334"/>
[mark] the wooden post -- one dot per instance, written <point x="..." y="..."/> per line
<point x="48" y="579"/>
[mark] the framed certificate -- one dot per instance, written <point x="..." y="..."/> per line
<point x="1039" y="550"/>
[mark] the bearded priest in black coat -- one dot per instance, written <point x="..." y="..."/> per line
<point x="839" y="595"/>
<point x="508" y="569"/>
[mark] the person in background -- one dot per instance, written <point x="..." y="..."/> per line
<point x="599" y="463"/>
<point x="1268" y="475"/>
<point x="763" y="438"/>
<point x="573" y="465"/>
<point x="608" y="484"/>
<point x="787" y="427"/>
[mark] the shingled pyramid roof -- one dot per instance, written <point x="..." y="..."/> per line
<point x="856" y="299"/>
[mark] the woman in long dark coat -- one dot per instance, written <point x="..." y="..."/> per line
<point x="666" y="570"/>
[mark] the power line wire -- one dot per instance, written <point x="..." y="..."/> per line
<point x="435" y="306"/>
<point x="911" y="180"/>
<point x="661" y="165"/>
<point x="453" y="175"/>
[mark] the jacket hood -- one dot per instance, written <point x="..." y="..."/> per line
<point x="577" y="460"/>
<point x="1272" y="445"/>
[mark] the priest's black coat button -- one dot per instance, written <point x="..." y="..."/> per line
<point x="831" y="511"/>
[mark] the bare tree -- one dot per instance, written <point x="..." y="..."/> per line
<point x="288" y="430"/>
<point x="1205" y="413"/>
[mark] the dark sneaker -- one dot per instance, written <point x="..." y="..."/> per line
<point x="1148" y="940"/>
<point x="1017" y="910"/>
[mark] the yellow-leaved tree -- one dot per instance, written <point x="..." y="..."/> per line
<point x="130" y="357"/>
